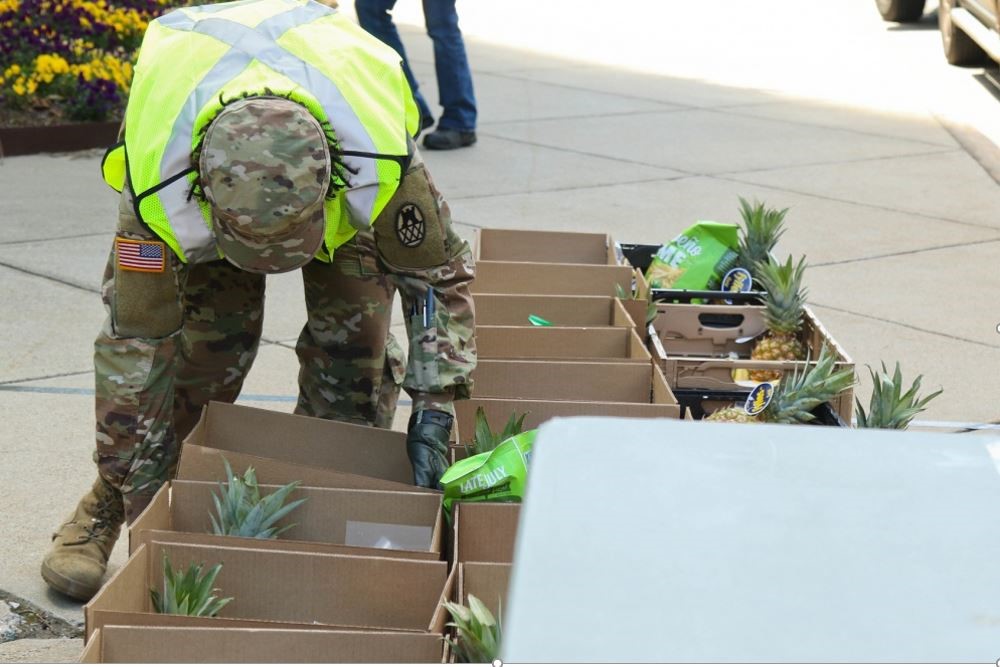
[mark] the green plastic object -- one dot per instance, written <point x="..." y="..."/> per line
<point x="537" y="321"/>
<point x="697" y="258"/>
<point x="497" y="476"/>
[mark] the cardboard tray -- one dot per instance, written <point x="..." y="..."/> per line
<point x="504" y="342"/>
<point x="487" y="581"/>
<point x="282" y="589"/>
<point x="712" y="373"/>
<point x="347" y="521"/>
<point x="522" y="245"/>
<point x="561" y="311"/>
<point x="156" y="644"/>
<point x="707" y="330"/>
<point x="205" y="464"/>
<point x="659" y="401"/>
<point x="345" y="455"/>
<point x="595" y="381"/>
<point x="484" y="532"/>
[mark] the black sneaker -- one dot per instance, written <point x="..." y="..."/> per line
<point x="446" y="140"/>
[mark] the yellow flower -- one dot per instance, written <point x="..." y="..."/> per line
<point x="18" y="87"/>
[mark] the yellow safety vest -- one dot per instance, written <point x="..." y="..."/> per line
<point x="195" y="59"/>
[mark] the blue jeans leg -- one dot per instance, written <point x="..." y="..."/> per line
<point x="454" y="77"/>
<point x="375" y="16"/>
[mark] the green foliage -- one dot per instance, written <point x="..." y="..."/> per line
<point x="188" y="593"/>
<point x="243" y="513"/>
<point x="478" y="632"/>
<point x="889" y="407"/>
<point x="485" y="440"/>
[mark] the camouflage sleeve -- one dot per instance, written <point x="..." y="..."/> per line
<point x="432" y="268"/>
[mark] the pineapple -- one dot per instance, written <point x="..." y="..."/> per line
<point x="784" y="306"/>
<point x="188" y="593"/>
<point x="888" y="408"/>
<point x="762" y="227"/>
<point x="243" y="513"/>
<point x="485" y="440"/>
<point x="477" y="630"/>
<point x="794" y="398"/>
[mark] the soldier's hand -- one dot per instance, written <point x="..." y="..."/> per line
<point x="427" y="446"/>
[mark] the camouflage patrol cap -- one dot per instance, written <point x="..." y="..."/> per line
<point x="265" y="169"/>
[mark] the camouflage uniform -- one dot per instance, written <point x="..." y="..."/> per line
<point x="181" y="337"/>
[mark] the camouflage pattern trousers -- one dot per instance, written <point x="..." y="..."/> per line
<point x="151" y="384"/>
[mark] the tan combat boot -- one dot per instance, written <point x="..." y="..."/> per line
<point x="76" y="563"/>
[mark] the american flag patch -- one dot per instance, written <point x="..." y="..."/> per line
<point x="147" y="256"/>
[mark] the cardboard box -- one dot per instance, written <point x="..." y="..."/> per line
<point x="598" y="381"/>
<point x="138" y="644"/>
<point x="707" y="330"/>
<point x="347" y="521"/>
<point x="561" y="311"/>
<point x="302" y="441"/>
<point x="555" y="279"/>
<point x="497" y="342"/>
<point x="205" y="464"/>
<point x="713" y="373"/>
<point x="522" y="245"/>
<point x="660" y="401"/>
<point x="487" y="581"/>
<point x="284" y="589"/>
<point x="484" y="532"/>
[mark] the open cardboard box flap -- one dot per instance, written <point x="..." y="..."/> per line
<point x="205" y="464"/>
<point x="561" y="311"/>
<point x="350" y="521"/>
<point x="157" y="644"/>
<point x="484" y="532"/>
<point x="283" y="588"/>
<point x="493" y="277"/>
<point x="532" y="245"/>
<point x="527" y="342"/>
<point x="487" y="581"/>
<point x="349" y="448"/>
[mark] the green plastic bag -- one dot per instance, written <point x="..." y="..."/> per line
<point x="697" y="258"/>
<point x="496" y="476"/>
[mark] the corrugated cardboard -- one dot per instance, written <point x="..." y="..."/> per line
<point x="714" y="373"/>
<point x="282" y="588"/>
<point x="561" y="311"/>
<point x="137" y="644"/>
<point x="612" y="382"/>
<point x="660" y="402"/>
<point x="487" y="581"/>
<point x="347" y="521"/>
<point x="560" y="279"/>
<point x="205" y="464"/>
<point x="350" y="448"/>
<point x="708" y="330"/>
<point x="484" y="532"/>
<point x="497" y="342"/>
<point x="523" y="245"/>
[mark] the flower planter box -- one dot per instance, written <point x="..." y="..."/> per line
<point x="57" y="138"/>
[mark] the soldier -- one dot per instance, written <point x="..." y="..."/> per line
<point x="263" y="137"/>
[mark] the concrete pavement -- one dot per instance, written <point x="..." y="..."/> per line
<point x="636" y="120"/>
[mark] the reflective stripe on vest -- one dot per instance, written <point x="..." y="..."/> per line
<point x="186" y="218"/>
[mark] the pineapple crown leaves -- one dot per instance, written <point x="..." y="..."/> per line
<point x="796" y="396"/>
<point x="485" y="440"/>
<point x="786" y="297"/>
<point x="479" y="632"/>
<point x="188" y="592"/>
<point x="888" y="407"/>
<point x="242" y="512"/>
<point x="762" y="227"/>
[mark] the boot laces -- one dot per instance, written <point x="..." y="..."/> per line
<point x="107" y="517"/>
